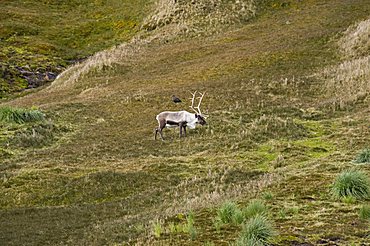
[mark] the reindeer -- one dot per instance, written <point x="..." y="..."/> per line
<point x="182" y="119"/>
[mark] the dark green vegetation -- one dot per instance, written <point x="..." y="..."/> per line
<point x="38" y="39"/>
<point x="257" y="231"/>
<point x="272" y="134"/>
<point x="230" y="213"/>
<point x="227" y="213"/>
<point x="351" y="183"/>
<point x="254" y="208"/>
<point x="363" y="156"/>
<point x="365" y="212"/>
<point x="20" y="115"/>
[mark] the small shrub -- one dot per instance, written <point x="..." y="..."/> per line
<point x="257" y="231"/>
<point x="226" y="212"/>
<point x="351" y="183"/>
<point x="365" y="212"/>
<point x="254" y="208"/>
<point x="363" y="156"/>
<point x="238" y="217"/>
<point x="20" y="115"/>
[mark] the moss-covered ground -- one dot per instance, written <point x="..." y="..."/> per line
<point x="47" y="36"/>
<point x="103" y="179"/>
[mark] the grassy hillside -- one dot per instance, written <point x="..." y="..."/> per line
<point x="41" y="38"/>
<point x="285" y="119"/>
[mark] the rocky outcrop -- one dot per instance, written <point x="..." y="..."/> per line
<point x="17" y="78"/>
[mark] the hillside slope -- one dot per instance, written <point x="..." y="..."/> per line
<point x="276" y="126"/>
<point x="39" y="39"/>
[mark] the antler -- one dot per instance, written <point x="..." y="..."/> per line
<point x="197" y="108"/>
<point x="200" y="101"/>
<point x="192" y="101"/>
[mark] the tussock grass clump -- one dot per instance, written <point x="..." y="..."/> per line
<point x="365" y="212"/>
<point x="226" y="212"/>
<point x="254" y="208"/>
<point x="363" y="156"/>
<point x="229" y="212"/>
<point x="351" y="183"/>
<point x="20" y="115"/>
<point x="257" y="231"/>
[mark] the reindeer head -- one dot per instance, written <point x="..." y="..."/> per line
<point x="201" y="119"/>
<point x="198" y="113"/>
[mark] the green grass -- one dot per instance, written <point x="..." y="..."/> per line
<point x="351" y="183"/>
<point x="365" y="212"/>
<point x="363" y="156"/>
<point x="189" y="226"/>
<point x="20" y="115"/>
<point x="254" y="208"/>
<point x="257" y="231"/>
<point x="157" y="229"/>
<point x="230" y="213"/>
<point x="267" y="196"/>
<point x="227" y="212"/>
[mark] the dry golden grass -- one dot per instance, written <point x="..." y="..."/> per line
<point x="348" y="82"/>
<point x="355" y="41"/>
<point x="177" y="18"/>
<point x="170" y="20"/>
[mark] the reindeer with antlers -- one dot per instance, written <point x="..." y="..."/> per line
<point x="182" y="119"/>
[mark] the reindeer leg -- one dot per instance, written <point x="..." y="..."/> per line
<point x="155" y="133"/>
<point x="162" y="125"/>
<point x="184" y="130"/>
<point x="180" y="126"/>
